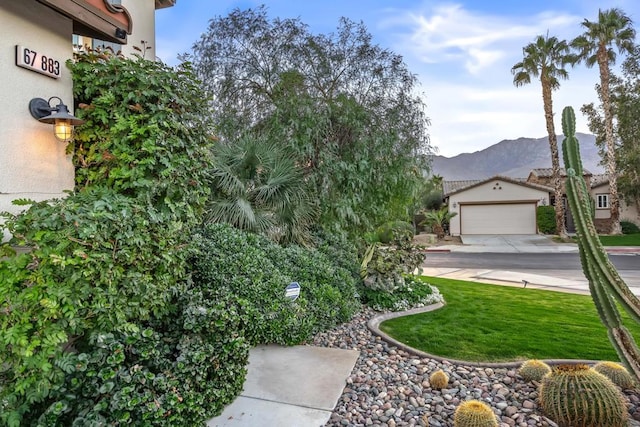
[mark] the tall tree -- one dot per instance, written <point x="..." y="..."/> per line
<point x="595" y="46"/>
<point x="546" y="59"/>
<point x="349" y="109"/>
<point x="625" y="104"/>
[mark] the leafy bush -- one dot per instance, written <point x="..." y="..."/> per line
<point x="109" y="260"/>
<point x="256" y="271"/>
<point x="432" y="201"/>
<point x="413" y="293"/>
<point x="546" y="217"/>
<point x="384" y="267"/>
<point x="629" y="227"/>
<point x="177" y="371"/>
<point x="395" y="231"/>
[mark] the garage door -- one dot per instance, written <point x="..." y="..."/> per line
<point x="512" y="218"/>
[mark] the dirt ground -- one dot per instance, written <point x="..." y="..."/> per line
<point x="424" y="239"/>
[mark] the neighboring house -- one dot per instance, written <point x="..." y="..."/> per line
<point x="37" y="38"/>
<point x="600" y="194"/>
<point x="497" y="205"/>
<point x="501" y="205"/>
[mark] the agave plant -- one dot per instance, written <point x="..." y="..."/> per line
<point x="257" y="187"/>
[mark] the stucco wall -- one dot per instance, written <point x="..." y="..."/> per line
<point x="627" y="212"/>
<point x="492" y="192"/>
<point x="33" y="164"/>
<point x="143" y="14"/>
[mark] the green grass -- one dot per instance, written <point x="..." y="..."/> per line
<point x="491" y="323"/>
<point x="622" y="240"/>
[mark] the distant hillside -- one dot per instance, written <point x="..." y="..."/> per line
<point x="512" y="158"/>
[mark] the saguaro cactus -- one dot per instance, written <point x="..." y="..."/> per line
<point x="605" y="284"/>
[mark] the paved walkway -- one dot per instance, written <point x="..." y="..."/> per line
<point x="289" y="387"/>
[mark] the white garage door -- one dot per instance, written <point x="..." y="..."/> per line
<point x="512" y="218"/>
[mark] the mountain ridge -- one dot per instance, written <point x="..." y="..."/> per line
<point x="513" y="158"/>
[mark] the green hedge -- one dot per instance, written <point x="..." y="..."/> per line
<point x="255" y="271"/>
<point x="546" y="219"/>
<point x="629" y="227"/>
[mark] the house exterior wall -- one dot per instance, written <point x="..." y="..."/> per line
<point x="495" y="191"/>
<point x="143" y="15"/>
<point x="628" y="212"/>
<point x="33" y="164"/>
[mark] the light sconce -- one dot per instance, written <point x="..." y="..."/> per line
<point x="58" y="116"/>
<point x="455" y="205"/>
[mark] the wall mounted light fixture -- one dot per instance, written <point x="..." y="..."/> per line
<point x="58" y="116"/>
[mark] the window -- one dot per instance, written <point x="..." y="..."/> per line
<point x="602" y="201"/>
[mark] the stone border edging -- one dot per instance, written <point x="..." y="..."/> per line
<point x="374" y="323"/>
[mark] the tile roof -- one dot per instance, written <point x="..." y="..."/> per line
<point x="599" y="179"/>
<point x="453" y="187"/>
<point x="548" y="172"/>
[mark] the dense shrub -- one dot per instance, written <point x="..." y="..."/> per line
<point x="546" y="217"/>
<point x="629" y="227"/>
<point x="176" y="371"/>
<point x="395" y="231"/>
<point x="109" y="260"/>
<point x="413" y="293"/>
<point x="255" y="272"/>
<point x="433" y="200"/>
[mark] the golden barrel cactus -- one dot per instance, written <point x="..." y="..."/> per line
<point x="616" y="373"/>
<point x="474" y="413"/>
<point x="578" y="396"/>
<point x="533" y="370"/>
<point x="439" y="379"/>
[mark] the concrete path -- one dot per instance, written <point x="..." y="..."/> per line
<point x="516" y="243"/>
<point x="572" y="281"/>
<point x="289" y="387"/>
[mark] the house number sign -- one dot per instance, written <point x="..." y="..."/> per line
<point x="38" y="61"/>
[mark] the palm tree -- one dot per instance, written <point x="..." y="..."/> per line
<point x="257" y="187"/>
<point x="438" y="220"/>
<point x="595" y="46"/>
<point x="546" y="59"/>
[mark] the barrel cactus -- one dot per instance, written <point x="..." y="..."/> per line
<point x="533" y="370"/>
<point x="474" y="413"/>
<point x="578" y="396"/>
<point x="616" y="373"/>
<point x="439" y="379"/>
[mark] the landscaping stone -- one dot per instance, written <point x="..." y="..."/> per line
<point x="390" y="387"/>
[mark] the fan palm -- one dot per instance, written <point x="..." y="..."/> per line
<point x="595" y="46"/>
<point x="438" y="219"/>
<point x="546" y="59"/>
<point x="257" y="187"/>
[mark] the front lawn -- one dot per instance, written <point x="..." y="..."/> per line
<point x="621" y="240"/>
<point x="491" y="323"/>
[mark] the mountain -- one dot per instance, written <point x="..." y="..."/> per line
<point x="513" y="158"/>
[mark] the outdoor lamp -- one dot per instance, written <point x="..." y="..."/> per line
<point x="59" y="116"/>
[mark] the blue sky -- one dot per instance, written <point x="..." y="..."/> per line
<point x="462" y="53"/>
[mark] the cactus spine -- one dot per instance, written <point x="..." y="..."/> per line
<point x="474" y="413"/>
<point x="578" y="396"/>
<point x="605" y="283"/>
<point x="616" y="373"/>
<point x="438" y="379"/>
<point x="533" y="370"/>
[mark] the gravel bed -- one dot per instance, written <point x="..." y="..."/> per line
<point x="390" y="387"/>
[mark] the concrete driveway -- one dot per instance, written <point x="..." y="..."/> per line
<point x="513" y="243"/>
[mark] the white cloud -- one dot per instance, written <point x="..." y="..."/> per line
<point x="463" y="60"/>
<point x="450" y="33"/>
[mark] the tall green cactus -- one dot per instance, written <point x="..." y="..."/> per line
<point x="605" y="284"/>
